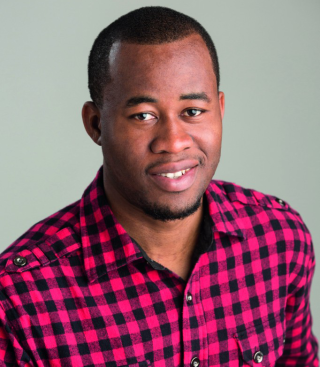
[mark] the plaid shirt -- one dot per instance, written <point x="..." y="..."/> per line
<point x="76" y="290"/>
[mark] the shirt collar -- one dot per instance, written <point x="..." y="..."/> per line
<point x="106" y="244"/>
<point x="223" y="212"/>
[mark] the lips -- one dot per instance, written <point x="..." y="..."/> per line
<point x="174" y="176"/>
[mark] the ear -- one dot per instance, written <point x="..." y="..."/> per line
<point x="221" y="104"/>
<point x="91" y="121"/>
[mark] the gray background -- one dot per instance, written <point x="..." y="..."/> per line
<point x="270" y="60"/>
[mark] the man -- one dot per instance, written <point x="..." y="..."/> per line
<point x="156" y="265"/>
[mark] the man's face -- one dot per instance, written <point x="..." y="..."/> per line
<point x="161" y="126"/>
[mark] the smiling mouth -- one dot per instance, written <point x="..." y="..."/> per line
<point x="174" y="175"/>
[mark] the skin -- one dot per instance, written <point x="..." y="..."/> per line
<point x="161" y="114"/>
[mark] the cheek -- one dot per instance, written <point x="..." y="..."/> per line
<point x="213" y="152"/>
<point x="211" y="142"/>
<point x="123" y="156"/>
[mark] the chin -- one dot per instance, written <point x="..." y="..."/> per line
<point x="165" y="214"/>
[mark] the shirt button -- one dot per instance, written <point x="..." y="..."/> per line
<point x="20" y="261"/>
<point x="258" y="357"/>
<point x="195" y="362"/>
<point x="189" y="298"/>
<point x="281" y="202"/>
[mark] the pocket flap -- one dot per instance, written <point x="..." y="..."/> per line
<point x="262" y="345"/>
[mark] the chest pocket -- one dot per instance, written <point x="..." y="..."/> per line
<point x="262" y="345"/>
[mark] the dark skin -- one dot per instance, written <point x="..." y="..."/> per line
<point x="160" y="129"/>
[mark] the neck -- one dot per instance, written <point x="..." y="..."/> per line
<point x="169" y="243"/>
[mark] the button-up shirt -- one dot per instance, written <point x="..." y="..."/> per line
<point x="76" y="290"/>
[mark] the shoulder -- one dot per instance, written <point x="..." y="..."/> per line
<point x="242" y="196"/>
<point x="45" y="231"/>
<point x="260" y="212"/>
<point x="270" y="223"/>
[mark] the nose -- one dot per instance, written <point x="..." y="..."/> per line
<point x="171" y="136"/>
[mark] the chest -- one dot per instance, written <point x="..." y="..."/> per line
<point x="229" y="313"/>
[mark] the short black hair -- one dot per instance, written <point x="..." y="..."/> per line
<point x="147" y="25"/>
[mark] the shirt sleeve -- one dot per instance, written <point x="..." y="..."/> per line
<point x="301" y="346"/>
<point x="11" y="352"/>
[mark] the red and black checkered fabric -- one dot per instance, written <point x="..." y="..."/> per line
<point x="87" y="296"/>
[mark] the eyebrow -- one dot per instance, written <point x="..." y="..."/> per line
<point x="202" y="96"/>
<point x="134" y="101"/>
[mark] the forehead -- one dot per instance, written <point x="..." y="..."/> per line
<point x="184" y="62"/>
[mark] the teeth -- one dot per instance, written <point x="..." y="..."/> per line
<point x="175" y="174"/>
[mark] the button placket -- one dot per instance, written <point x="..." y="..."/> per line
<point x="189" y="298"/>
<point x="195" y="324"/>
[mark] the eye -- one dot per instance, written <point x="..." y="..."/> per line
<point x="143" y="116"/>
<point x="192" y="112"/>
